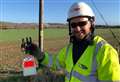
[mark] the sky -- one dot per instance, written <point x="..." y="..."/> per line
<point x="55" y="11"/>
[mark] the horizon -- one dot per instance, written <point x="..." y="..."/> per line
<point x="49" y="23"/>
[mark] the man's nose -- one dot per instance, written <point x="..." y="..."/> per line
<point x="77" y="28"/>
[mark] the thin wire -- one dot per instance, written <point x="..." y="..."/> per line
<point x="101" y="15"/>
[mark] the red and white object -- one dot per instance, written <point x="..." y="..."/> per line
<point x="29" y="66"/>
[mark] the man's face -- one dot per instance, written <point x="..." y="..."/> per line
<point x="80" y="27"/>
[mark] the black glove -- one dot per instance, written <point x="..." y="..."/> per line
<point x="30" y="48"/>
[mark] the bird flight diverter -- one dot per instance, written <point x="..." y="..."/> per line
<point x="29" y="66"/>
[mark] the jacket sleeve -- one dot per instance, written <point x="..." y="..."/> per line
<point x="48" y="60"/>
<point x="108" y="64"/>
<point x="55" y="61"/>
<point x="60" y="59"/>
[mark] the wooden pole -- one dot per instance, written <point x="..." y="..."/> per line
<point x="41" y="25"/>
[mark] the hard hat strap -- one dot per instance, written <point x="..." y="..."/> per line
<point x="70" y="32"/>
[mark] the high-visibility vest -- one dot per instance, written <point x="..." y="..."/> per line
<point x="98" y="63"/>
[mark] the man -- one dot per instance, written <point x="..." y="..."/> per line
<point x="88" y="58"/>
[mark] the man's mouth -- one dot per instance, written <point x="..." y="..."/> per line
<point x="79" y="32"/>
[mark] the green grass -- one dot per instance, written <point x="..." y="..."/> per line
<point x="18" y="34"/>
<point x="15" y="35"/>
<point x="54" y="39"/>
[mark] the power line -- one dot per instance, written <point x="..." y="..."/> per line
<point x="101" y="15"/>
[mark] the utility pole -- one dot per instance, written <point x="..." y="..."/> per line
<point x="41" y="5"/>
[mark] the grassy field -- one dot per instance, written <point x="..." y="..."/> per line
<point x="54" y="39"/>
<point x="16" y="35"/>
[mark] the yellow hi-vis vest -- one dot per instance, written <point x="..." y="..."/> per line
<point x="98" y="63"/>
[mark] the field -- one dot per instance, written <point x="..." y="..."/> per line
<point x="54" y="39"/>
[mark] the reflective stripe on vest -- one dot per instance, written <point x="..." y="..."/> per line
<point x="94" y="63"/>
<point x="67" y="74"/>
<point x="86" y="78"/>
<point x="92" y="76"/>
<point x="108" y="81"/>
<point x="67" y="50"/>
<point x="50" y="61"/>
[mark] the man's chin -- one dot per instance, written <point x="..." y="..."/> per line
<point x="80" y="38"/>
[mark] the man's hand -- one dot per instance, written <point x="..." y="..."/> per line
<point x="29" y="47"/>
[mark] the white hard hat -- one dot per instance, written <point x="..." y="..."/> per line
<point x="80" y="9"/>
